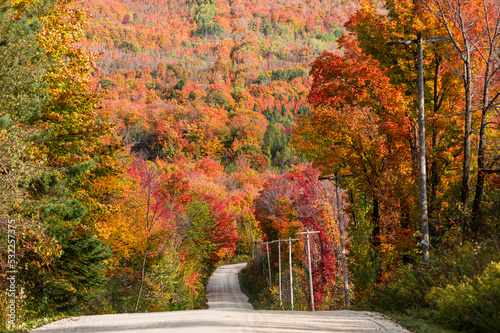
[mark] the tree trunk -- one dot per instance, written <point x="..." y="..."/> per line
<point x="433" y="172"/>
<point x="376" y="223"/>
<point x="465" y="193"/>
<point x="476" y="205"/>
<point x="148" y="228"/>
<point x="434" y="179"/>
<point x="375" y="239"/>
<point x="143" y="273"/>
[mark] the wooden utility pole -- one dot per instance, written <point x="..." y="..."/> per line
<point x="279" y="267"/>
<point x="279" y="270"/>
<point x="291" y="270"/>
<point x="268" y="263"/>
<point x="251" y="238"/>
<point x="342" y="246"/>
<point x="342" y="238"/>
<point x="424" y="219"/>
<point x="307" y="233"/>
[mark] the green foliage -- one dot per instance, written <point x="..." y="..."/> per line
<point x="19" y="165"/>
<point x="285" y="158"/>
<point x="277" y="145"/>
<point x="80" y="270"/>
<point x="106" y="83"/>
<point x="275" y="140"/>
<point x="22" y="61"/>
<point x="404" y="290"/>
<point x="204" y="15"/>
<point x="54" y="150"/>
<point x="449" y="281"/>
<point x="491" y="214"/>
<point x="255" y="284"/>
<point x="330" y="37"/>
<point x="167" y="287"/>
<point x="472" y="305"/>
<point x="201" y="245"/>
<point x="218" y="98"/>
<point x="418" y="322"/>
<point x="252" y="283"/>
<point x="287" y="74"/>
<point x="362" y="259"/>
<point x="131" y="46"/>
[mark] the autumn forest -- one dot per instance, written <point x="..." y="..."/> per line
<point x="143" y="143"/>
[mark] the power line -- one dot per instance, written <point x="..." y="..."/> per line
<point x="462" y="113"/>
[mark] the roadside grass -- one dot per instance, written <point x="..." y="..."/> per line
<point x="253" y="298"/>
<point x="417" y="322"/>
<point x="31" y="324"/>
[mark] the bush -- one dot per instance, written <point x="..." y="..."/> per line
<point x="472" y="305"/>
<point x="402" y="291"/>
<point x="406" y="289"/>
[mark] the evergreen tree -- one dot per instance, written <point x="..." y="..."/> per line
<point x="276" y="114"/>
<point x="255" y="108"/>
<point x="284" y="110"/>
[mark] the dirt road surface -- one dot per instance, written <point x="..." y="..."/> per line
<point x="229" y="311"/>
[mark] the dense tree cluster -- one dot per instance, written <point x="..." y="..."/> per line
<point x="364" y="122"/>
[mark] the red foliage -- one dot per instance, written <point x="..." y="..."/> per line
<point x="295" y="202"/>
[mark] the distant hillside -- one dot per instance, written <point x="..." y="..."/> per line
<point x="210" y="77"/>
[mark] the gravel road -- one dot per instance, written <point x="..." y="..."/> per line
<point x="229" y="311"/>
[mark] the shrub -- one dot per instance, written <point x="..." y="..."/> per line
<point x="403" y="290"/>
<point x="472" y="305"/>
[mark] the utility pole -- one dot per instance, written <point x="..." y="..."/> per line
<point x="279" y="267"/>
<point x="291" y="271"/>
<point x="424" y="219"/>
<point x="279" y="270"/>
<point x="268" y="264"/>
<point x="342" y="239"/>
<point x="307" y="233"/>
<point x="251" y="238"/>
<point x="342" y="245"/>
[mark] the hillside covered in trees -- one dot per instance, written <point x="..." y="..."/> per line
<point x="144" y="142"/>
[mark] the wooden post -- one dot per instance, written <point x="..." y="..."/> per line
<point x="311" y="289"/>
<point x="310" y="271"/>
<point x="291" y="266"/>
<point x="291" y="271"/>
<point x="251" y="238"/>
<point x="342" y="246"/>
<point x="424" y="219"/>
<point x="269" y="264"/>
<point x="279" y="265"/>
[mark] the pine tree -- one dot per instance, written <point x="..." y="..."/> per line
<point x="256" y="108"/>
<point x="284" y="110"/>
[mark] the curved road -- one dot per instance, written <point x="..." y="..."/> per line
<point x="229" y="311"/>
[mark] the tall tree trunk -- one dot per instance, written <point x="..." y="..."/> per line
<point x="143" y="273"/>
<point x="476" y="205"/>
<point x="144" y="257"/>
<point x="434" y="179"/>
<point x="376" y="225"/>
<point x="433" y="172"/>
<point x="465" y="193"/>
<point x="375" y="239"/>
